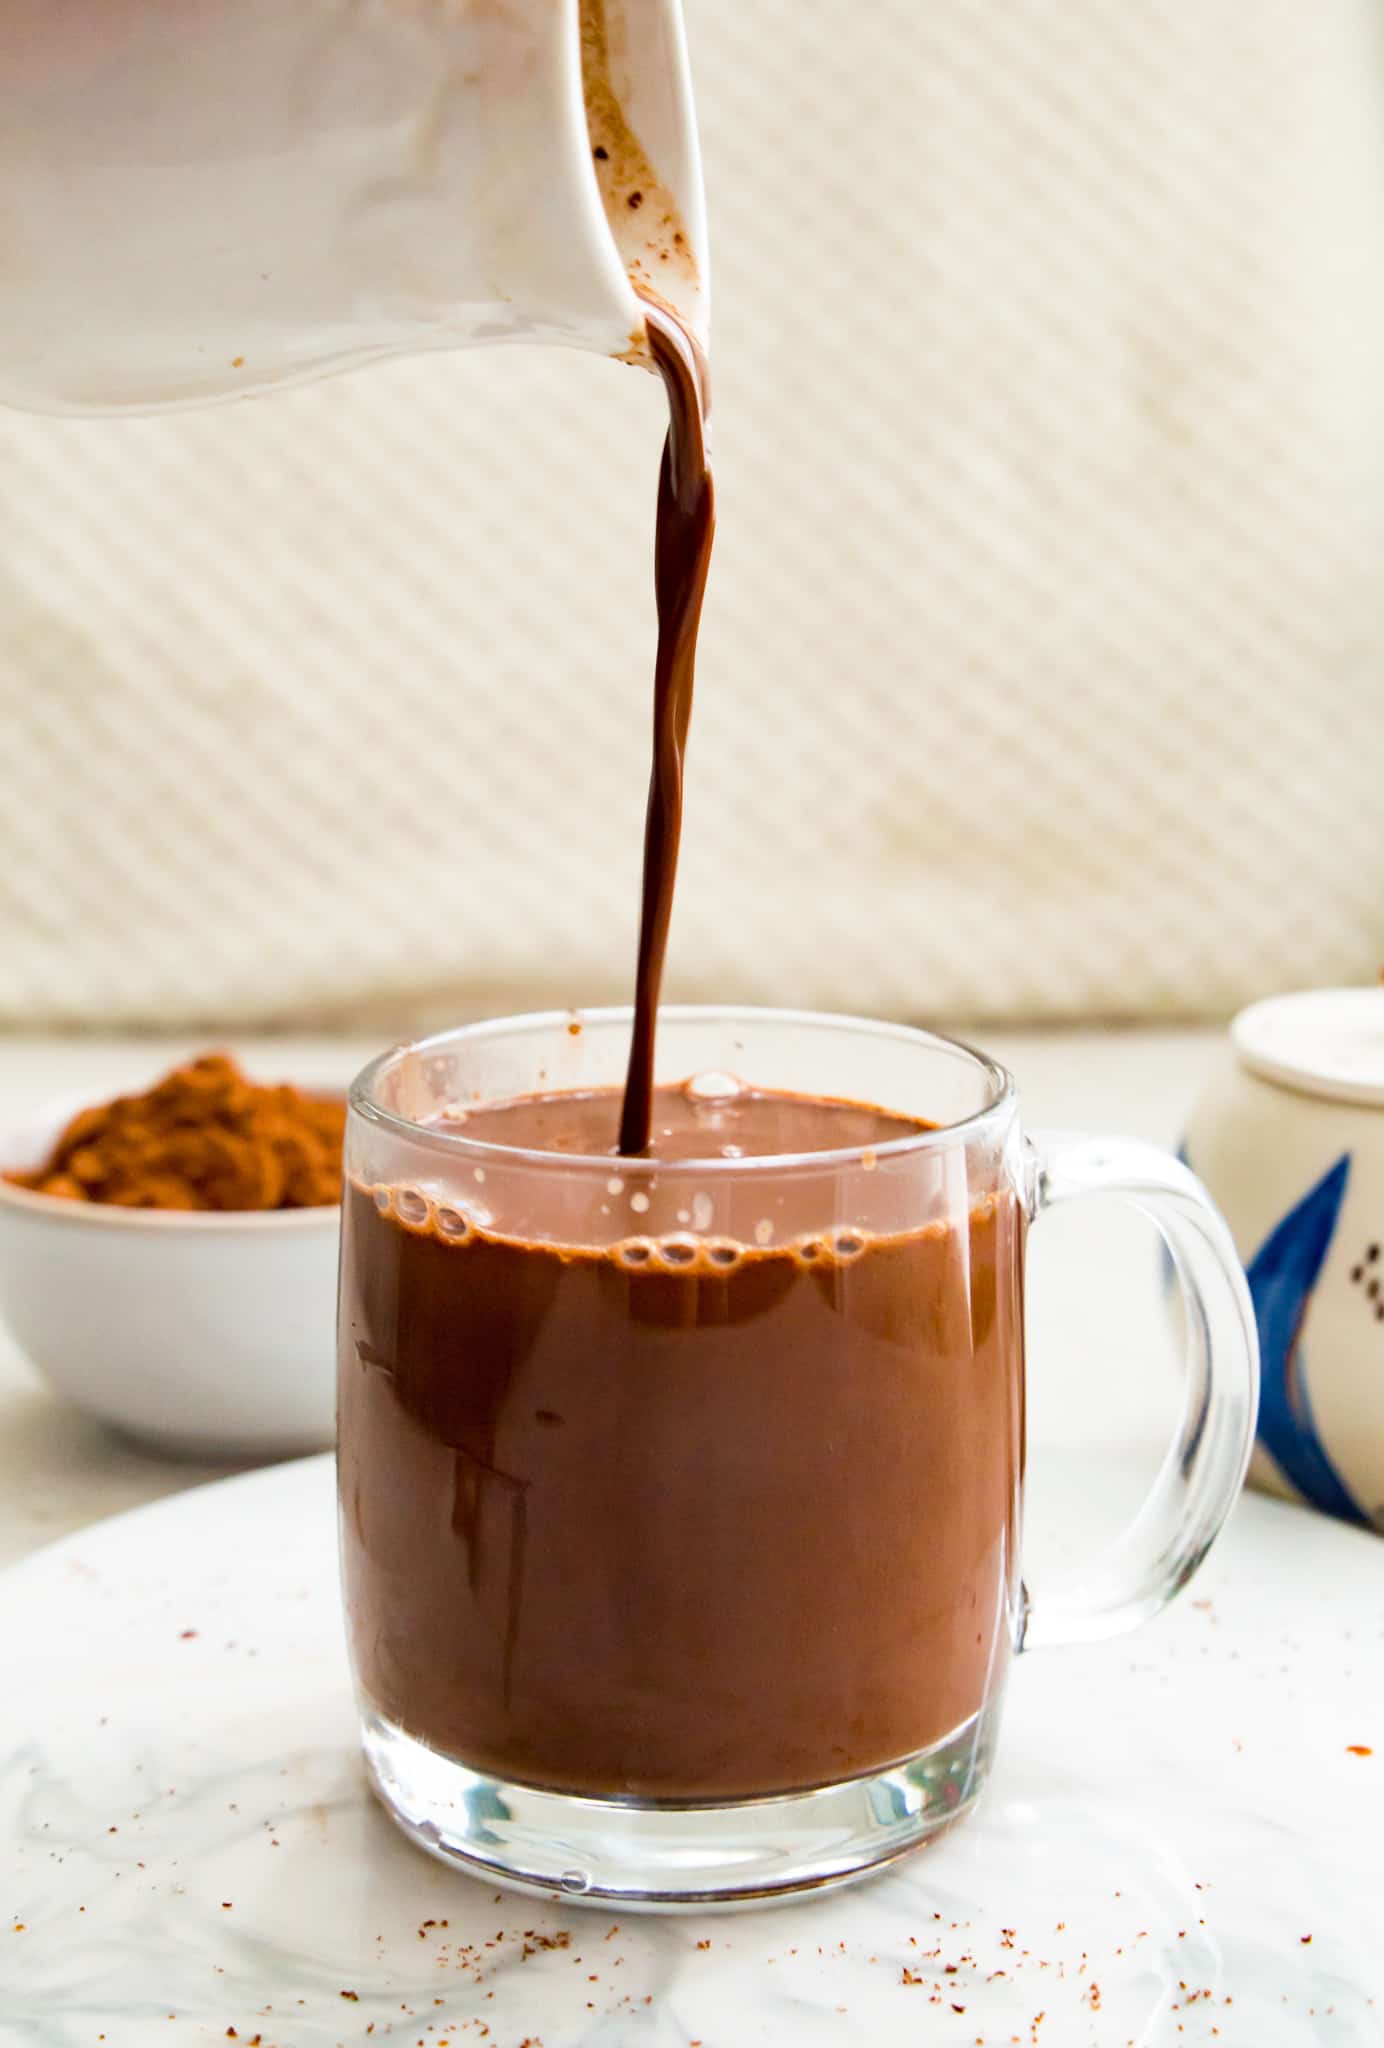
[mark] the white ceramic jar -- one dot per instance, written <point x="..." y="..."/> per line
<point x="1289" y="1138"/>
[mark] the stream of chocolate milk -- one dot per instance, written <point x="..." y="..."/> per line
<point x="682" y="557"/>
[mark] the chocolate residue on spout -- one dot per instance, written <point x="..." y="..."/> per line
<point x="642" y="212"/>
<point x="682" y="557"/>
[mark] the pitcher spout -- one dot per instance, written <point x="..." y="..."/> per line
<point x="202" y="202"/>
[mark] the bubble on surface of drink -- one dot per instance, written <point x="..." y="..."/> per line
<point x="713" y="1088"/>
<point x="635" y="1251"/>
<point x="615" y="1186"/>
<point x="384" y="1199"/>
<point x="763" y="1231"/>
<point x="452" y="1223"/>
<point x="684" y="1215"/>
<point x="724" y="1254"/>
<point x="678" y="1251"/>
<point x="479" y="1175"/>
<point x="809" y="1248"/>
<point x="411" y="1206"/>
<point x="848" y="1244"/>
<point x="732" y="1151"/>
<point x="639" y="1203"/>
<point x="703" y="1209"/>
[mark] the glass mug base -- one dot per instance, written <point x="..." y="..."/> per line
<point x="662" y="1858"/>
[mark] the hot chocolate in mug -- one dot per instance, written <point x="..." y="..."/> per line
<point x="681" y="1495"/>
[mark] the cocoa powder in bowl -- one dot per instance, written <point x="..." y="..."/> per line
<point x="204" y="1137"/>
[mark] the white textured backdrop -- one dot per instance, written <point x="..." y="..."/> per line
<point x="1042" y="667"/>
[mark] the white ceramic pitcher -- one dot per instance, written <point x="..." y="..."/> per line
<point x="204" y="198"/>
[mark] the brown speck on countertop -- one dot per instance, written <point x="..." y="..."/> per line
<point x="225" y="1905"/>
<point x="353" y="1996"/>
<point x="187" y="1635"/>
<point x="1304" y="1939"/>
<point x="704" y="1944"/>
<point x="911" y="1976"/>
<point x="1358" y="1749"/>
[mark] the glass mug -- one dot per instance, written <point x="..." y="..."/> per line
<point x="680" y="1504"/>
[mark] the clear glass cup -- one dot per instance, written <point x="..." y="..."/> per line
<point x="680" y="1505"/>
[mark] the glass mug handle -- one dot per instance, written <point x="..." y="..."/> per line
<point x="1201" y="1475"/>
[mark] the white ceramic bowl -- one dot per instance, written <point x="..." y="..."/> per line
<point x="206" y="1335"/>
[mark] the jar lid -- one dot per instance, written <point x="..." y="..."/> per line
<point x="1325" y="1041"/>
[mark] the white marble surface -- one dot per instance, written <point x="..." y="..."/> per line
<point x="1177" y="1847"/>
